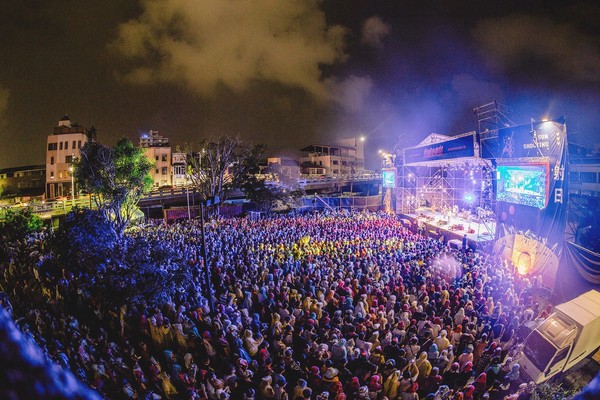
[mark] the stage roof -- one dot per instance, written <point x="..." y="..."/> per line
<point x="438" y="150"/>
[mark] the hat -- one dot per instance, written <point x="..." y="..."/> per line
<point x="331" y="373"/>
<point x="323" y="396"/>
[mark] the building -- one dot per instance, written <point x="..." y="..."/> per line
<point x="62" y="149"/>
<point x="584" y="176"/>
<point x="285" y="167"/>
<point x="346" y="158"/>
<point x="23" y="182"/>
<point x="309" y="169"/>
<point x="179" y="169"/>
<point x="157" y="149"/>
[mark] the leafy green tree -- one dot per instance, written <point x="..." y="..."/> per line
<point x="267" y="194"/>
<point x="83" y="241"/>
<point x="17" y="224"/>
<point x="117" y="177"/>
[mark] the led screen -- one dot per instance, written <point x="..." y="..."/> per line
<point x="389" y="178"/>
<point x="523" y="184"/>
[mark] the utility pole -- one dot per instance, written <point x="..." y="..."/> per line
<point x="207" y="277"/>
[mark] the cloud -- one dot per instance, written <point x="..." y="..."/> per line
<point x="352" y="92"/>
<point x="374" y="30"/>
<point x="471" y="92"/>
<point x="207" y="44"/>
<point x="4" y="97"/>
<point x="520" y="40"/>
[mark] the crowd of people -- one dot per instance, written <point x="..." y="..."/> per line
<point x="327" y="306"/>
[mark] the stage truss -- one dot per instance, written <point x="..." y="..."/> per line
<point x="459" y="188"/>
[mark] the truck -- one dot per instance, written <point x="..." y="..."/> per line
<point x="562" y="340"/>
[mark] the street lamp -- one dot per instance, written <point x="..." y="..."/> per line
<point x="72" y="186"/>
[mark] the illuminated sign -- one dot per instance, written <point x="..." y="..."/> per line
<point x="389" y="178"/>
<point x="454" y="148"/>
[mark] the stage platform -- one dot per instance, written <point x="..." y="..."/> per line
<point x="453" y="227"/>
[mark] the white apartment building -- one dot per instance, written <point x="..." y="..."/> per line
<point x="179" y="166"/>
<point x="62" y="148"/>
<point x="345" y="158"/>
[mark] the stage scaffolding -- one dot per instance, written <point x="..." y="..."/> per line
<point x="465" y="186"/>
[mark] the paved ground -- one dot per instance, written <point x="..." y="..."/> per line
<point x="580" y="375"/>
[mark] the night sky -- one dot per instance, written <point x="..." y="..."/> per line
<point x="288" y="73"/>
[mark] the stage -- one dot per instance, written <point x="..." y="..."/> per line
<point x="453" y="226"/>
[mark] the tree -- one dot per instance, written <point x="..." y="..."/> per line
<point x="83" y="242"/>
<point x="15" y="228"/>
<point x="220" y="165"/>
<point x="117" y="177"/>
<point x="267" y="194"/>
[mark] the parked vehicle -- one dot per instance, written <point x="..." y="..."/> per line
<point x="565" y="338"/>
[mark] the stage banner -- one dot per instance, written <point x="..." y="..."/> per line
<point x="463" y="146"/>
<point x="538" y="139"/>
<point x="531" y="189"/>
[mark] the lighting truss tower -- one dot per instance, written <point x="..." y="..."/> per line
<point x="407" y="189"/>
<point x="491" y="117"/>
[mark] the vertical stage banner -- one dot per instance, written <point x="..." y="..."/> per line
<point x="531" y="194"/>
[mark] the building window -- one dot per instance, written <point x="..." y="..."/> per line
<point x="51" y="174"/>
<point x="574" y="176"/>
<point x="52" y="146"/>
<point x="335" y="162"/>
<point x="74" y="144"/>
<point x="67" y="145"/>
<point x="165" y="170"/>
<point x="164" y="157"/>
<point x="588" y="177"/>
<point x="60" y="145"/>
<point x="59" y="174"/>
<point x="79" y="144"/>
<point x="52" y="160"/>
<point x="156" y="159"/>
<point x="156" y="171"/>
<point x="69" y="159"/>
